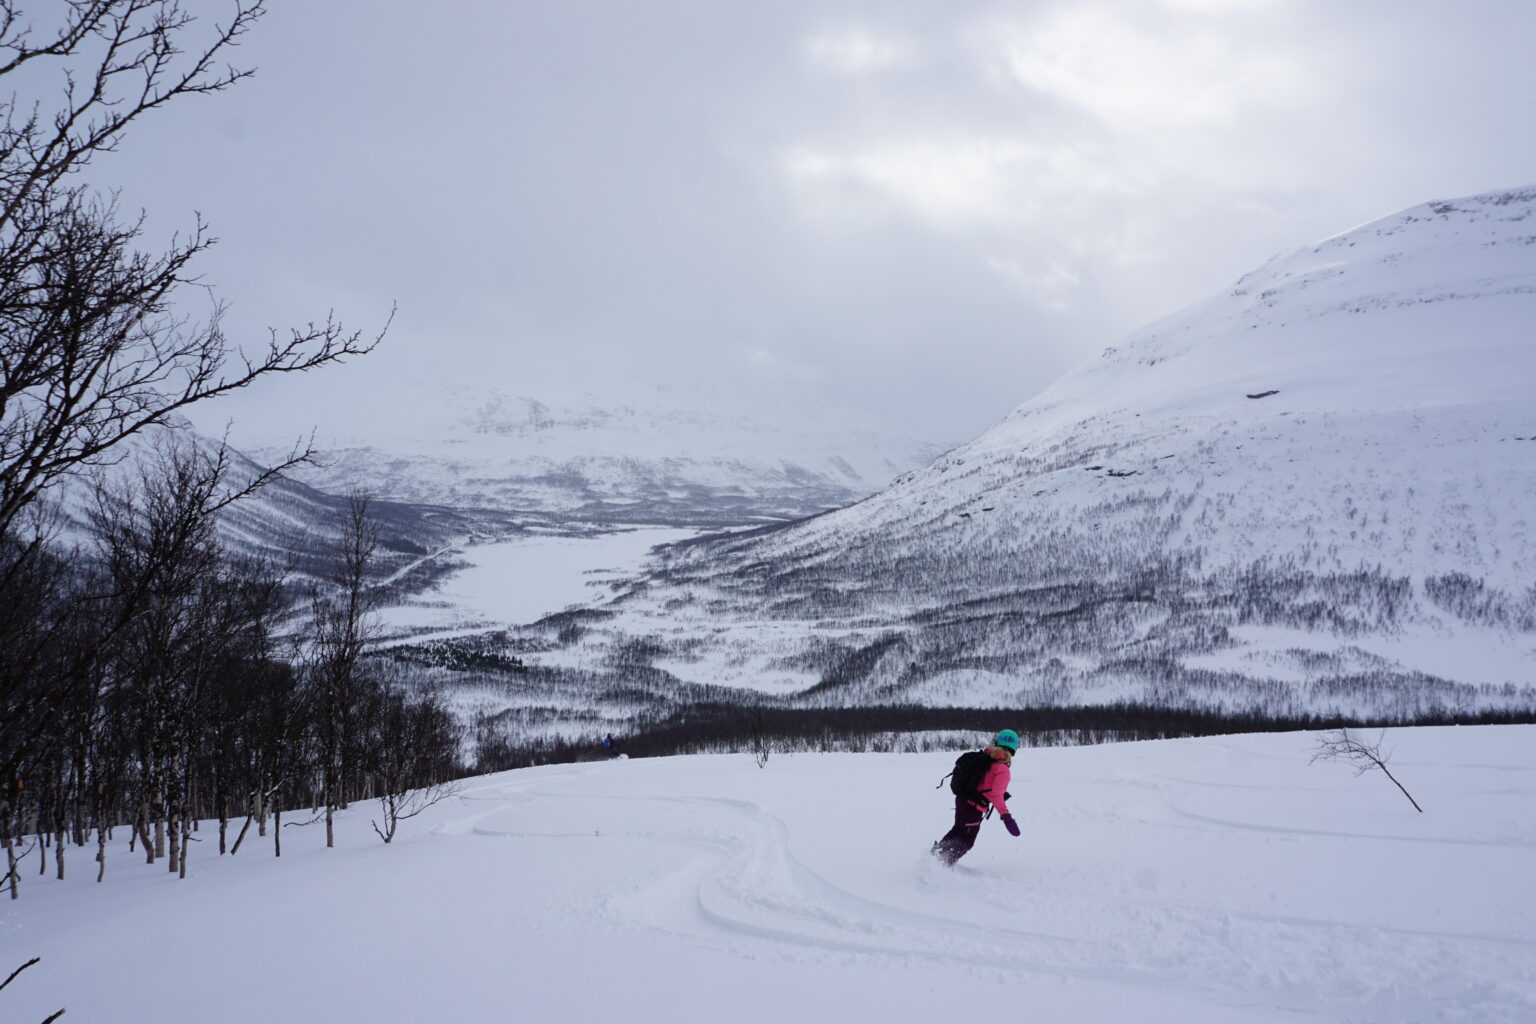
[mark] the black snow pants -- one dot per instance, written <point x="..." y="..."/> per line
<point x="957" y="842"/>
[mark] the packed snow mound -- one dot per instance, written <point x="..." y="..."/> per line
<point x="1315" y="488"/>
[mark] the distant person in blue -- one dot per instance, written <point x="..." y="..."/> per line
<point x="611" y="746"/>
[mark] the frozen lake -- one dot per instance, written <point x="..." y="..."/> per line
<point x="519" y="581"/>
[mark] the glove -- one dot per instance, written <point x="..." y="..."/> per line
<point x="1011" y="825"/>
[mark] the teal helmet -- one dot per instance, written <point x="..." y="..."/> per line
<point x="1007" y="738"/>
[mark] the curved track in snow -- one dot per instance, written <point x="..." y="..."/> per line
<point x="1220" y="881"/>
<point x="1272" y="882"/>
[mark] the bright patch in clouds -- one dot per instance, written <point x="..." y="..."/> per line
<point x="1217" y="6"/>
<point x="1073" y="138"/>
<point x="945" y="184"/>
<point x="1132" y="79"/>
<point x="950" y="184"/>
<point x="1051" y="284"/>
<point x="860" y="51"/>
<point x="1006" y="194"/>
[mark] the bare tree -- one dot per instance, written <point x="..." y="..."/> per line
<point x="759" y="737"/>
<point x="92" y="348"/>
<point x="1339" y="745"/>
<point x="278" y="751"/>
<point x="95" y="346"/>
<point x="35" y="697"/>
<point x="343" y="626"/>
<point x="414" y="744"/>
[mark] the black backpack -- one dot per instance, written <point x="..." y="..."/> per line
<point x="970" y="768"/>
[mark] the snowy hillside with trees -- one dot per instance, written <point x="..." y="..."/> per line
<point x="1310" y="493"/>
<point x="273" y="516"/>
<point x="270" y="752"/>
<point x="1221" y="881"/>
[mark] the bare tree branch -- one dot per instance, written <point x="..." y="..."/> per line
<point x="1339" y="745"/>
<point x="29" y="963"/>
<point x="51" y="1017"/>
<point x="93" y="349"/>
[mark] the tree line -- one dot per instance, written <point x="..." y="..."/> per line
<point x="715" y="728"/>
<point x="152" y="680"/>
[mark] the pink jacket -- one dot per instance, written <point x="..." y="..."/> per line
<point x="994" y="784"/>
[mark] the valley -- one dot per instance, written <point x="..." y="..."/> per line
<point x="1309" y="495"/>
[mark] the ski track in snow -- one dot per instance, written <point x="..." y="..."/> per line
<point x="1204" y="880"/>
<point x="1293" y="831"/>
<point x="745" y="881"/>
<point x="747" y="885"/>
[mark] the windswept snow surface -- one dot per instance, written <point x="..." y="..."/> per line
<point x="1221" y="880"/>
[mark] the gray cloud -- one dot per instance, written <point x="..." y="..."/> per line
<point x="930" y="209"/>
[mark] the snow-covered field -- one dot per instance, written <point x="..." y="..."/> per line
<point x="517" y="581"/>
<point x="1217" y="880"/>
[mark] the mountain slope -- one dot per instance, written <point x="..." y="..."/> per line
<point x="1314" y="491"/>
<point x="288" y="522"/>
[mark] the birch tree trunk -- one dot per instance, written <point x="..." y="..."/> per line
<point x="13" y="869"/>
<point x="186" y="841"/>
<point x="175" y="840"/>
<point x="156" y="807"/>
<point x="241" y="837"/>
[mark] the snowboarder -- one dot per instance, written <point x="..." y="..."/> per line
<point x="611" y="745"/>
<point x="980" y="783"/>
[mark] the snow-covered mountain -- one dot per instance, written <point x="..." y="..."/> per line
<point x="1316" y="490"/>
<point x="673" y="456"/>
<point x="291" y="523"/>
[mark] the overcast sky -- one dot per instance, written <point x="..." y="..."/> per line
<point x="930" y="210"/>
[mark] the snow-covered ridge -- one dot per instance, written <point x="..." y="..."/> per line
<point x="1311" y="485"/>
<point x="668" y="455"/>
<point x="1416" y="310"/>
<point x="1399" y="354"/>
<point x="284" y="521"/>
